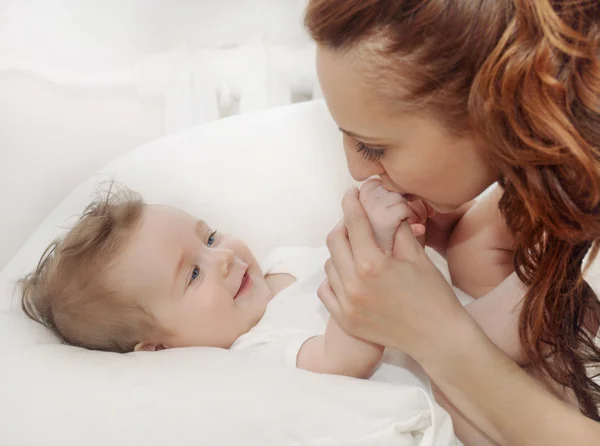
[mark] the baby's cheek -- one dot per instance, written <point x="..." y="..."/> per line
<point x="242" y="251"/>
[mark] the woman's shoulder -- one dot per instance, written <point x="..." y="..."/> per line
<point x="481" y="248"/>
<point x="485" y="218"/>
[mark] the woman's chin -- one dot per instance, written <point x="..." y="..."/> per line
<point x="442" y="208"/>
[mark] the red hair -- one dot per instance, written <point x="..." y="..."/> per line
<point x="524" y="77"/>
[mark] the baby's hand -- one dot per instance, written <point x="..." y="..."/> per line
<point x="386" y="211"/>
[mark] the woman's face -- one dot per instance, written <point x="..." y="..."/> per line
<point x="412" y="154"/>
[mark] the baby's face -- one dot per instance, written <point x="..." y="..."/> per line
<point x="203" y="287"/>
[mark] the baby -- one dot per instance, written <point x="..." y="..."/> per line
<point x="132" y="277"/>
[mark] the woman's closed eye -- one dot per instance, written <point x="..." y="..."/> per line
<point x="369" y="153"/>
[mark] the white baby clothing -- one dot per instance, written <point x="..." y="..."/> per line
<point x="296" y="314"/>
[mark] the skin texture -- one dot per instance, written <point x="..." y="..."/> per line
<point x="401" y="300"/>
<point x="189" y="277"/>
<point x="418" y="156"/>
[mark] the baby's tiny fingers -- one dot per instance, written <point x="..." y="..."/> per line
<point x="370" y="184"/>
<point x="401" y="211"/>
<point x="392" y="199"/>
<point x="420" y="210"/>
<point x="418" y="229"/>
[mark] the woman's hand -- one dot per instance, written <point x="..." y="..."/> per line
<point x="398" y="300"/>
<point x="403" y="301"/>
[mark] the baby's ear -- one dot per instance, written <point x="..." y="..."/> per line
<point x="147" y="347"/>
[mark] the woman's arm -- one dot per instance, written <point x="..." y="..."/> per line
<point x="498" y="397"/>
<point x="466" y="431"/>
<point x="403" y="301"/>
<point x="497" y="313"/>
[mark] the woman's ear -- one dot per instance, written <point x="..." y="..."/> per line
<point x="148" y="347"/>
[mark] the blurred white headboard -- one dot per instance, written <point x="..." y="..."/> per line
<point x="82" y="82"/>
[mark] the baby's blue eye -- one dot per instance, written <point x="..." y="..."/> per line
<point x="211" y="238"/>
<point x="195" y="274"/>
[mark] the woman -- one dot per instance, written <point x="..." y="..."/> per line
<point x="441" y="99"/>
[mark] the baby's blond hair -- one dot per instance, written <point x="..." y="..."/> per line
<point x="73" y="292"/>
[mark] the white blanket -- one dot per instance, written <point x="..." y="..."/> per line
<point x="274" y="179"/>
<point x="296" y="314"/>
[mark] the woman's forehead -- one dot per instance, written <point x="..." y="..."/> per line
<point x="352" y="99"/>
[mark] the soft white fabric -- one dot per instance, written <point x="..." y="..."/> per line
<point x="83" y="82"/>
<point x="292" y="316"/>
<point x="296" y="314"/>
<point x="274" y="178"/>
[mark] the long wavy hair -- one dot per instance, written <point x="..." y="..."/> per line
<point x="524" y="77"/>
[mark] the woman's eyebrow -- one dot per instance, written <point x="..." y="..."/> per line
<point x="357" y="136"/>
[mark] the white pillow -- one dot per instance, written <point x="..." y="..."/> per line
<point x="274" y="178"/>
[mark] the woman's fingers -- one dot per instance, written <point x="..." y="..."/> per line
<point x="335" y="283"/>
<point x="340" y="249"/>
<point x="406" y="246"/>
<point x="360" y="232"/>
<point x="330" y="301"/>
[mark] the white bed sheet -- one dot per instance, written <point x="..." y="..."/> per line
<point x="274" y="178"/>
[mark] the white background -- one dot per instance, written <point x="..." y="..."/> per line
<point x="58" y="125"/>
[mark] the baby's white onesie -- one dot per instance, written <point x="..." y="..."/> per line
<point x="296" y="314"/>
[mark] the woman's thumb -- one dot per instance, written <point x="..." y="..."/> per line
<point x="405" y="242"/>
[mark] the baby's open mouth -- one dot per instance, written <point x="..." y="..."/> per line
<point x="243" y="285"/>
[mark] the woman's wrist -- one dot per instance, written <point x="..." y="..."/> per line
<point x="451" y="345"/>
<point x="499" y="399"/>
<point x="460" y="367"/>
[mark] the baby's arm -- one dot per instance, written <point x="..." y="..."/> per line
<point x="337" y="352"/>
<point x="385" y="211"/>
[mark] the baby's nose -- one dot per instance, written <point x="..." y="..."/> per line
<point x="225" y="261"/>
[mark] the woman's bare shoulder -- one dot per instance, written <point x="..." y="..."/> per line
<point x="481" y="248"/>
<point x="485" y="220"/>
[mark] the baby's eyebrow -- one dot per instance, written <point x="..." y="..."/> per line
<point x="177" y="276"/>
<point x="201" y="227"/>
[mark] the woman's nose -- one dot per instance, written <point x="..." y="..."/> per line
<point x="361" y="168"/>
